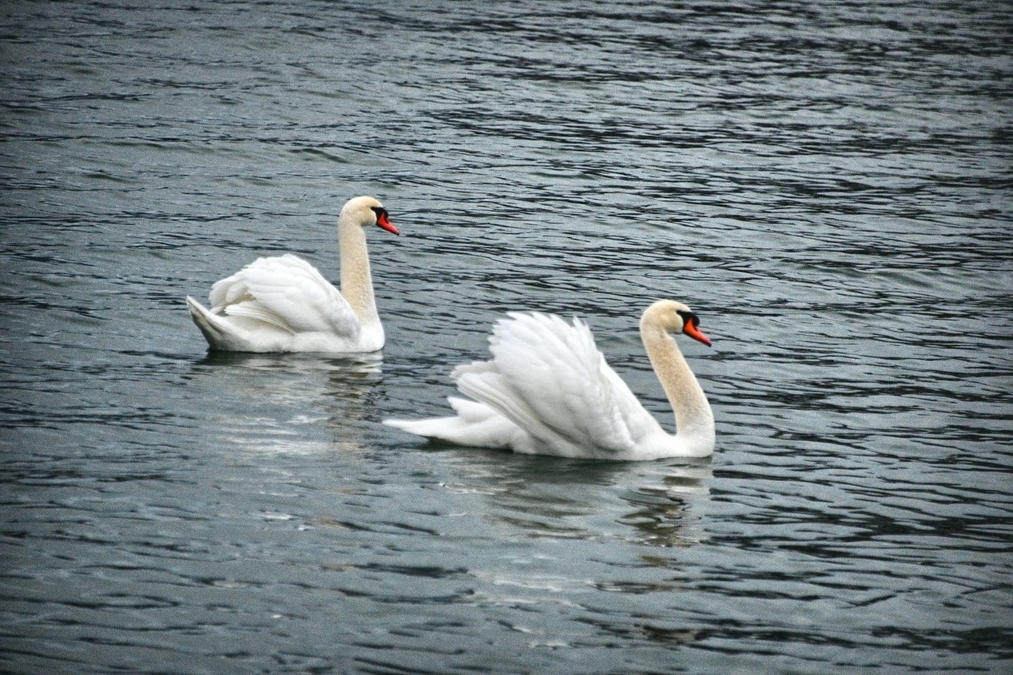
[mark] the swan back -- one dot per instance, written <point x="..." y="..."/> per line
<point x="549" y="378"/>
<point x="288" y="293"/>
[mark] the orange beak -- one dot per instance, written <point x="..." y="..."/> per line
<point x="690" y="329"/>
<point x="383" y="221"/>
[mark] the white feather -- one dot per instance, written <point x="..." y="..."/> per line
<point x="548" y="390"/>
<point x="283" y="304"/>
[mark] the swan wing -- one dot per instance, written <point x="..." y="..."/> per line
<point x="288" y="293"/>
<point x="549" y="378"/>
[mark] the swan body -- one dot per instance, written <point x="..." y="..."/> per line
<point x="283" y="304"/>
<point x="548" y="390"/>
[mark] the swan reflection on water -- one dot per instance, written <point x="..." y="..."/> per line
<point x="664" y="515"/>
<point x="280" y="403"/>
<point x="563" y="498"/>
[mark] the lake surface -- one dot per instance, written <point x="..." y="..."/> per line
<point x="828" y="187"/>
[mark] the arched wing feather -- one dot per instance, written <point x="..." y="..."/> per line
<point x="549" y="378"/>
<point x="286" y="292"/>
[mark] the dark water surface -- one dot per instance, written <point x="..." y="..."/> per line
<point x="828" y="186"/>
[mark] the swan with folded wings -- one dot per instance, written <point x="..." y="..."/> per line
<point x="283" y="304"/>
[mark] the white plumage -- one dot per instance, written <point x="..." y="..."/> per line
<point x="283" y="304"/>
<point x="548" y="390"/>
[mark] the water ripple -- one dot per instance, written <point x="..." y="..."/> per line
<point x="827" y="187"/>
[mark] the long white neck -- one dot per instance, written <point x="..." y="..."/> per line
<point x="694" y="420"/>
<point x="356" y="282"/>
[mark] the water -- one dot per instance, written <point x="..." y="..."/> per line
<point x="828" y="187"/>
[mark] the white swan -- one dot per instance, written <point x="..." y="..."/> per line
<point x="547" y="390"/>
<point x="283" y="304"/>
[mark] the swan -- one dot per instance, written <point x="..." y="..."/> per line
<point x="283" y="304"/>
<point x="547" y="390"/>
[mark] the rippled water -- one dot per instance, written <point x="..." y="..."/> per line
<point x="829" y="187"/>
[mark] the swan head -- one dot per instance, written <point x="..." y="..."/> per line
<point x="365" y="212"/>
<point x="674" y="317"/>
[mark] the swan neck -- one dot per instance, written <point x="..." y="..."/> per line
<point x="694" y="419"/>
<point x="356" y="281"/>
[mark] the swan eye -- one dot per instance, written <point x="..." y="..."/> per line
<point x="383" y="219"/>
<point x="689" y="318"/>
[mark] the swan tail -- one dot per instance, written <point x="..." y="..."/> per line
<point x="475" y="425"/>
<point x="216" y="331"/>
